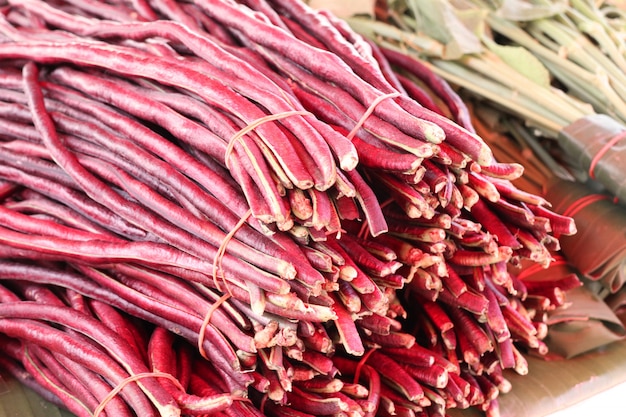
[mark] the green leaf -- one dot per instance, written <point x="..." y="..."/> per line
<point x="523" y="11"/>
<point x="474" y="20"/>
<point x="438" y="19"/>
<point x="522" y="61"/>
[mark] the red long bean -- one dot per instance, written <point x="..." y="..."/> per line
<point x="186" y="164"/>
<point x="463" y="139"/>
<point x="318" y="93"/>
<point x="442" y="89"/>
<point x="97" y="190"/>
<point x="221" y="352"/>
<point x="191" y="79"/>
<point x="138" y="102"/>
<point x="393" y="373"/>
<point x="203" y="47"/>
<point x="59" y="366"/>
<point x="99" y="89"/>
<point x="161" y="360"/>
<point x="119" y="323"/>
<point x="204" y="229"/>
<point x="77" y="200"/>
<point x="418" y="94"/>
<point x="325" y="65"/>
<point x="145" y="137"/>
<point x="47" y="372"/>
<point x="91" y="8"/>
<point x="30" y="224"/>
<point x="36" y="203"/>
<point x="152" y="301"/>
<point x="84" y="354"/>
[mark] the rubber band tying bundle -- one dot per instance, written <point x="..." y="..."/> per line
<point x="257" y="123"/>
<point x="133" y="378"/>
<point x="207" y="320"/>
<point x="370" y="110"/>
<point x="221" y="250"/>
<point x="361" y="364"/>
<point x="603" y="150"/>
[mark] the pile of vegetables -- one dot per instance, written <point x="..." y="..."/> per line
<point x="248" y="209"/>
<point x="552" y="76"/>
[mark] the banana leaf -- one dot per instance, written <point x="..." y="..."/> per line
<point x="551" y="386"/>
<point x="617" y="303"/>
<point x="598" y="250"/>
<point x="586" y="324"/>
<point x="16" y="400"/>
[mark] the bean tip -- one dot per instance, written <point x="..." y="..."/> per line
<point x="484" y="156"/>
<point x="349" y="162"/>
<point x="433" y="133"/>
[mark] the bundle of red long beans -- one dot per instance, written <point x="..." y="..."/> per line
<point x="212" y="207"/>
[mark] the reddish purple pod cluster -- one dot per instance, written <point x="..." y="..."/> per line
<point x="275" y="216"/>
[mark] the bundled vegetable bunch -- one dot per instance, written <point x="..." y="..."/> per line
<point x="258" y="181"/>
<point x="552" y="76"/>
